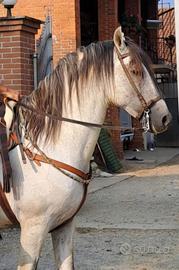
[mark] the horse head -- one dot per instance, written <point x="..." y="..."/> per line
<point x="135" y="87"/>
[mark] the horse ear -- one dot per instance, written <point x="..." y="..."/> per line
<point x="119" y="40"/>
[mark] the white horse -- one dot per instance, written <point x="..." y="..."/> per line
<point x="81" y="87"/>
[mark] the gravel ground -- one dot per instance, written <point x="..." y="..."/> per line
<point x="129" y="225"/>
<point x="105" y="250"/>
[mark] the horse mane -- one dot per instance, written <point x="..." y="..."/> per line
<point x="73" y="71"/>
<point x="94" y="62"/>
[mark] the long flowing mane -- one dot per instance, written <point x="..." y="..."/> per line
<point x="71" y="73"/>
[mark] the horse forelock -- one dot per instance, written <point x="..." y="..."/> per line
<point x="91" y="64"/>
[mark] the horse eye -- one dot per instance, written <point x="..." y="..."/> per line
<point x="133" y="71"/>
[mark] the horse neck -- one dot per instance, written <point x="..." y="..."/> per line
<point x="76" y="143"/>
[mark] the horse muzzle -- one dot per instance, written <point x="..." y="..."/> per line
<point x="160" y="117"/>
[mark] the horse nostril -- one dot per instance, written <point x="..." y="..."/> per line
<point x="166" y="120"/>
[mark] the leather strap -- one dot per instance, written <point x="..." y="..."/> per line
<point x="58" y="164"/>
<point x="6" y="207"/>
<point x="9" y="93"/>
<point x="145" y="104"/>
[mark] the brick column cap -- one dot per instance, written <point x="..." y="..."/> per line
<point x="23" y="23"/>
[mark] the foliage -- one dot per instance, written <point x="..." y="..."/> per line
<point x="130" y="24"/>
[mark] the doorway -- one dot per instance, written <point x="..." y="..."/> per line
<point x="89" y="21"/>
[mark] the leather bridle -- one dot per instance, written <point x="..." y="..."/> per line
<point x="145" y="105"/>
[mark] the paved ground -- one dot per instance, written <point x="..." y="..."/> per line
<point x="129" y="222"/>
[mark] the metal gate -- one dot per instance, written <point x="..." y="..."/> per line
<point x="43" y="58"/>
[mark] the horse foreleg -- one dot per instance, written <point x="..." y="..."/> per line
<point x="62" y="239"/>
<point x="32" y="237"/>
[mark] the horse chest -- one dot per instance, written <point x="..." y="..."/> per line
<point x="56" y="199"/>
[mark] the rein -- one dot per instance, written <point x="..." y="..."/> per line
<point x="68" y="120"/>
<point x="84" y="123"/>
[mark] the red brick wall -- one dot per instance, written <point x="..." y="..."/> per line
<point x="133" y="8"/>
<point x="66" y="16"/>
<point x="65" y="23"/>
<point x="107" y="18"/>
<point x="137" y="141"/>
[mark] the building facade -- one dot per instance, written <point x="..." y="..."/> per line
<point x="80" y="22"/>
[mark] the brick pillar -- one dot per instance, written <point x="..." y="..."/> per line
<point x="66" y="27"/>
<point x="138" y="141"/>
<point x="17" y="45"/>
<point x="112" y="118"/>
<point x="108" y="22"/>
<point x="133" y="8"/>
<point x="107" y="18"/>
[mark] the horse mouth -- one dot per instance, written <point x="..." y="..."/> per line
<point x="165" y="123"/>
<point x="156" y="131"/>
